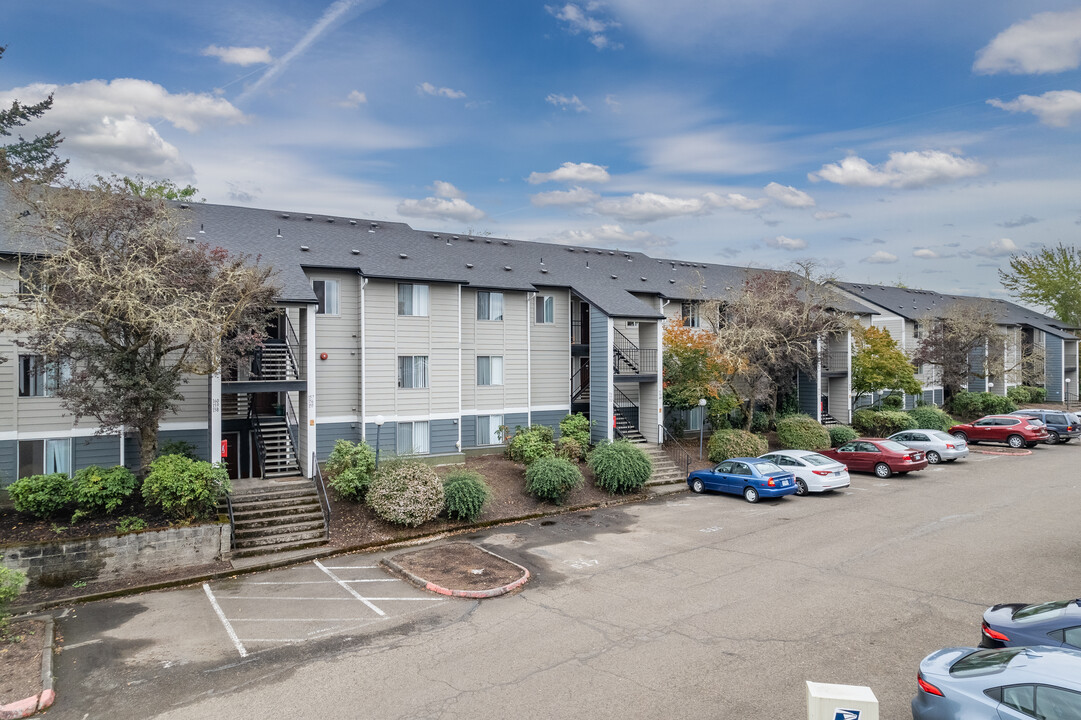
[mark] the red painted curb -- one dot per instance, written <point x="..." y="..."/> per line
<point x="20" y="708"/>
<point x="998" y="452"/>
<point x="471" y="594"/>
<point x="46" y="700"/>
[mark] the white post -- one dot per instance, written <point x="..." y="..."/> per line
<point x="309" y="445"/>
<point x="215" y="417"/>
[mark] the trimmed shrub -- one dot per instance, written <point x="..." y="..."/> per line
<point x="620" y="467"/>
<point x="406" y="492"/>
<point x="466" y="494"/>
<point x="892" y="402"/>
<point x="43" y="496"/>
<point x="575" y="426"/>
<point x="569" y="449"/>
<point x="840" y="434"/>
<point x="928" y="417"/>
<point x="881" y="423"/>
<point x="552" y="479"/>
<point x="185" y="489"/>
<point x="759" y="422"/>
<point x="529" y="445"/>
<point x="11" y="584"/>
<point x="1024" y="394"/>
<point x="802" y="432"/>
<point x="98" y="491"/>
<point x="178" y="447"/>
<point x="1037" y="394"/>
<point x="724" y="444"/>
<point x="969" y="405"/>
<point x="350" y="468"/>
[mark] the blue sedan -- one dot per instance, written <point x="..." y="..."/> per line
<point x="1055" y="623"/>
<point x="753" y="478"/>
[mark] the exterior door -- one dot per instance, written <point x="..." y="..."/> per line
<point x="232" y="458"/>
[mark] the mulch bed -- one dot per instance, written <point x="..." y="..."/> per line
<point x="459" y="566"/>
<point x="20" y="660"/>
<point x="18" y="529"/>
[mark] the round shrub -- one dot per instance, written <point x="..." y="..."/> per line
<point x="569" y="449"/>
<point x="881" y="423"/>
<point x="965" y="405"/>
<point x="178" y="447"/>
<point x="620" y="467"/>
<point x="892" y="402"/>
<point x="99" y="491"/>
<point x="575" y="426"/>
<point x="1019" y="394"/>
<point x="840" y="434"/>
<point x="1038" y="394"/>
<point x="759" y="422"/>
<point x="11" y="584"/>
<point x="992" y="404"/>
<point x="42" y="496"/>
<point x="185" y="489"/>
<point x="928" y="417"/>
<point x="529" y="445"/>
<point x="552" y="479"/>
<point x="724" y="444"/>
<point x="350" y="467"/>
<point x="802" y="432"/>
<point x="466" y="494"/>
<point x="406" y="492"/>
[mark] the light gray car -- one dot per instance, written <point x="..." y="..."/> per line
<point x="937" y="445"/>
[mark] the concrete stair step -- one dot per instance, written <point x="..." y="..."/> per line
<point x="267" y="540"/>
<point x="277" y="548"/>
<point x="285" y="496"/>
<point x="277" y="514"/>
<point x="246" y="533"/>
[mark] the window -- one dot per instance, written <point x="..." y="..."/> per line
<point x="917" y="331"/>
<point x="413" y="371"/>
<point x="488" y="429"/>
<point x="412" y="299"/>
<point x="1021" y="698"/>
<point x="413" y="438"/>
<point x="546" y="311"/>
<point x="1056" y="702"/>
<point x="326" y="291"/>
<point x="38" y="378"/>
<point x="38" y="457"/>
<point x="690" y="315"/>
<point x="489" y="305"/>
<point x="490" y="370"/>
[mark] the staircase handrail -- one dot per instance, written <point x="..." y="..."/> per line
<point x="260" y="446"/>
<point x="578" y="393"/>
<point x="293" y="425"/>
<point x="321" y="489"/>
<point x="232" y="521"/>
<point x="622" y="405"/>
<point x="626" y="352"/>
<point x="669" y="443"/>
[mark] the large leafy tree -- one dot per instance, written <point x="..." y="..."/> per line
<point x="1050" y="278"/>
<point x="694" y="371"/>
<point x="35" y="159"/>
<point x="879" y="365"/>
<point x="112" y="291"/>
<point x="960" y="333"/>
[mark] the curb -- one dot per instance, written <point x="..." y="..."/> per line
<point x="1001" y="452"/>
<point x="472" y="594"/>
<point x="43" y="700"/>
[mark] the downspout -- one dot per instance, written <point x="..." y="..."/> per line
<point x="660" y="370"/>
<point x="528" y="358"/>
<point x="459" y="443"/>
<point x="363" y="365"/>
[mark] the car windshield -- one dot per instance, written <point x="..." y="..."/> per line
<point x="984" y="662"/>
<point x="816" y="459"/>
<point x="767" y="467"/>
<point x="1042" y="611"/>
<point x="943" y="436"/>
<point x="894" y="446"/>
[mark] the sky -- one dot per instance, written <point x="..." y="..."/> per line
<point x="918" y="143"/>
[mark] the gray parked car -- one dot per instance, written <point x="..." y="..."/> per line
<point x="937" y="445"/>
<point x="1061" y="426"/>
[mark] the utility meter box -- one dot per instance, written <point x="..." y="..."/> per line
<point x="840" y="702"/>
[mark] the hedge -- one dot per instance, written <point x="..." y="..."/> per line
<point x="724" y="444"/>
<point x="802" y="432"/>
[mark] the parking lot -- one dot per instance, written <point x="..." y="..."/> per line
<point x="702" y="604"/>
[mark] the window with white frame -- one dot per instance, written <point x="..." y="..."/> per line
<point x="44" y="457"/>
<point x="917" y="331"/>
<point x="327" y="294"/>
<point x="690" y="315"/>
<point x="412" y="371"/>
<point x="490" y="370"/>
<point x="546" y="309"/>
<point x="489" y="305"/>
<point x="488" y="429"/>
<point x="412" y="299"/>
<point x="38" y="378"/>
<point x="413" y="438"/>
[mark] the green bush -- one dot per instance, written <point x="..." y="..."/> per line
<point x="759" y="422"/>
<point x="969" y="405"/>
<point x="552" y="479"/>
<point x="466" y="494"/>
<point x="1037" y="394"/>
<point x="185" y="489"/>
<point x="840" y="434"/>
<point x="1025" y="394"/>
<point x="11" y="584"/>
<point x="724" y="444"/>
<point x="129" y="524"/>
<point x="575" y="426"/>
<point x="43" y="496"/>
<point x="928" y="417"/>
<point x="178" y="447"/>
<point x="620" y="467"/>
<point x="802" y="432"/>
<point x="98" y="491"/>
<point x="350" y="468"/>
<point x="569" y="449"/>
<point x="529" y="445"/>
<point x="892" y="402"/>
<point x="881" y="423"/>
<point x="406" y="492"/>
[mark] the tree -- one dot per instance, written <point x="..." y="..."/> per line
<point x="879" y="365"/>
<point x="109" y="290"/>
<point x="959" y="334"/>
<point x="693" y="371"/>
<point x="34" y="160"/>
<point x="1050" y="278"/>
<point x="159" y="189"/>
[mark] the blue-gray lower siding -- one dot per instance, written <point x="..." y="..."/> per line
<point x="807" y="393"/>
<point x="384" y="439"/>
<point x="326" y="434"/>
<point x="976" y="381"/>
<point x="933" y="397"/>
<point x="9" y="462"/>
<point x="550" y="418"/>
<point x="1053" y="365"/>
<point x="600" y="360"/>
<point x="101" y="450"/>
<point x="442" y="437"/>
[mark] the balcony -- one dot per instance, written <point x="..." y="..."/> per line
<point x="834" y="363"/>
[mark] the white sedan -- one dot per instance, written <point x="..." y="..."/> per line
<point x="814" y="472"/>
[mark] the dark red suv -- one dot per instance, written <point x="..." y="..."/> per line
<point x="1010" y="429"/>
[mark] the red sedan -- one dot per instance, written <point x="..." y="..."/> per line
<point x="1011" y="429"/>
<point x="882" y="457"/>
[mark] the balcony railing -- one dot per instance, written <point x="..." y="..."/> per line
<point x="835" y="361"/>
<point x="629" y="359"/>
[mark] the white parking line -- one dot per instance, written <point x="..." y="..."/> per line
<point x="348" y="589"/>
<point x="351" y="567"/>
<point x="323" y="582"/>
<point x="224" y="621"/>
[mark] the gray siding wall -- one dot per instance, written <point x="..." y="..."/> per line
<point x="387" y="438"/>
<point x="550" y="418"/>
<point x="442" y="437"/>
<point x="1053" y="355"/>
<point x="837" y="390"/>
<point x="329" y="433"/>
<point x="9" y="463"/>
<point x="337" y="386"/>
<point x="600" y="360"/>
<point x="513" y="420"/>
<point x="102" y="450"/>
<point x="507" y="339"/>
<point x="807" y="392"/>
<point x="469" y="431"/>
<point x="199" y="438"/>
<point x="976" y="362"/>
<point x="550" y="365"/>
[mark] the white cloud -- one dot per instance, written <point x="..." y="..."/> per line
<point x="564" y="102"/>
<point x="1055" y="108"/>
<point x="574" y="196"/>
<point x="880" y="257"/>
<point x="735" y="201"/>
<point x="1047" y="42"/>
<point x="647" y="207"/>
<point x="902" y="170"/>
<point x="786" y="243"/>
<point x="446" y="190"/>
<point x="107" y="126"/>
<point x="829" y="215"/>
<point x="925" y="253"/>
<point x="354" y="99"/>
<point x="715" y="151"/>
<point x="436" y="208"/>
<point x="579" y="20"/>
<point x="427" y="88"/>
<point x="998" y="248"/>
<point x="613" y="104"/>
<point x="789" y="196"/>
<point x="612" y="236"/>
<point x="239" y="55"/>
<point x="572" y="172"/>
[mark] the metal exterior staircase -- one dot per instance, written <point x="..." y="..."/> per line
<point x="274" y="361"/>
<point x="278" y="453"/>
<point x="828" y="420"/>
<point x="276" y="519"/>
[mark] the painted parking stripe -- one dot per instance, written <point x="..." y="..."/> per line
<point x="323" y="582"/>
<point x="322" y="599"/>
<point x="349" y="590"/>
<point x="225" y="621"/>
<point x="351" y="567"/>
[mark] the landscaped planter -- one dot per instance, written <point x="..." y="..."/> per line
<point x="109" y="557"/>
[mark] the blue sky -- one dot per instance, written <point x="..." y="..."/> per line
<point x="919" y="142"/>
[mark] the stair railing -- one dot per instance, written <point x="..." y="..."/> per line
<point x="293" y="424"/>
<point x="675" y="450"/>
<point x="324" y="499"/>
<point x="260" y="445"/>
<point x="629" y="359"/>
<point x="575" y="394"/>
<point x="625" y="409"/>
<point x="232" y="521"/>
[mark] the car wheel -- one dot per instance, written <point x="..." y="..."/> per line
<point x="697" y="485"/>
<point x="933" y="457"/>
<point x="1065" y="440"/>
<point x="750" y="494"/>
<point x="883" y="470"/>
<point x="1015" y="441"/>
<point x="1052" y="438"/>
<point x="961" y="436"/>
<point x="801" y="487"/>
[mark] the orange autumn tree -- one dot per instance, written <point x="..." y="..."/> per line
<point x="693" y="370"/>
